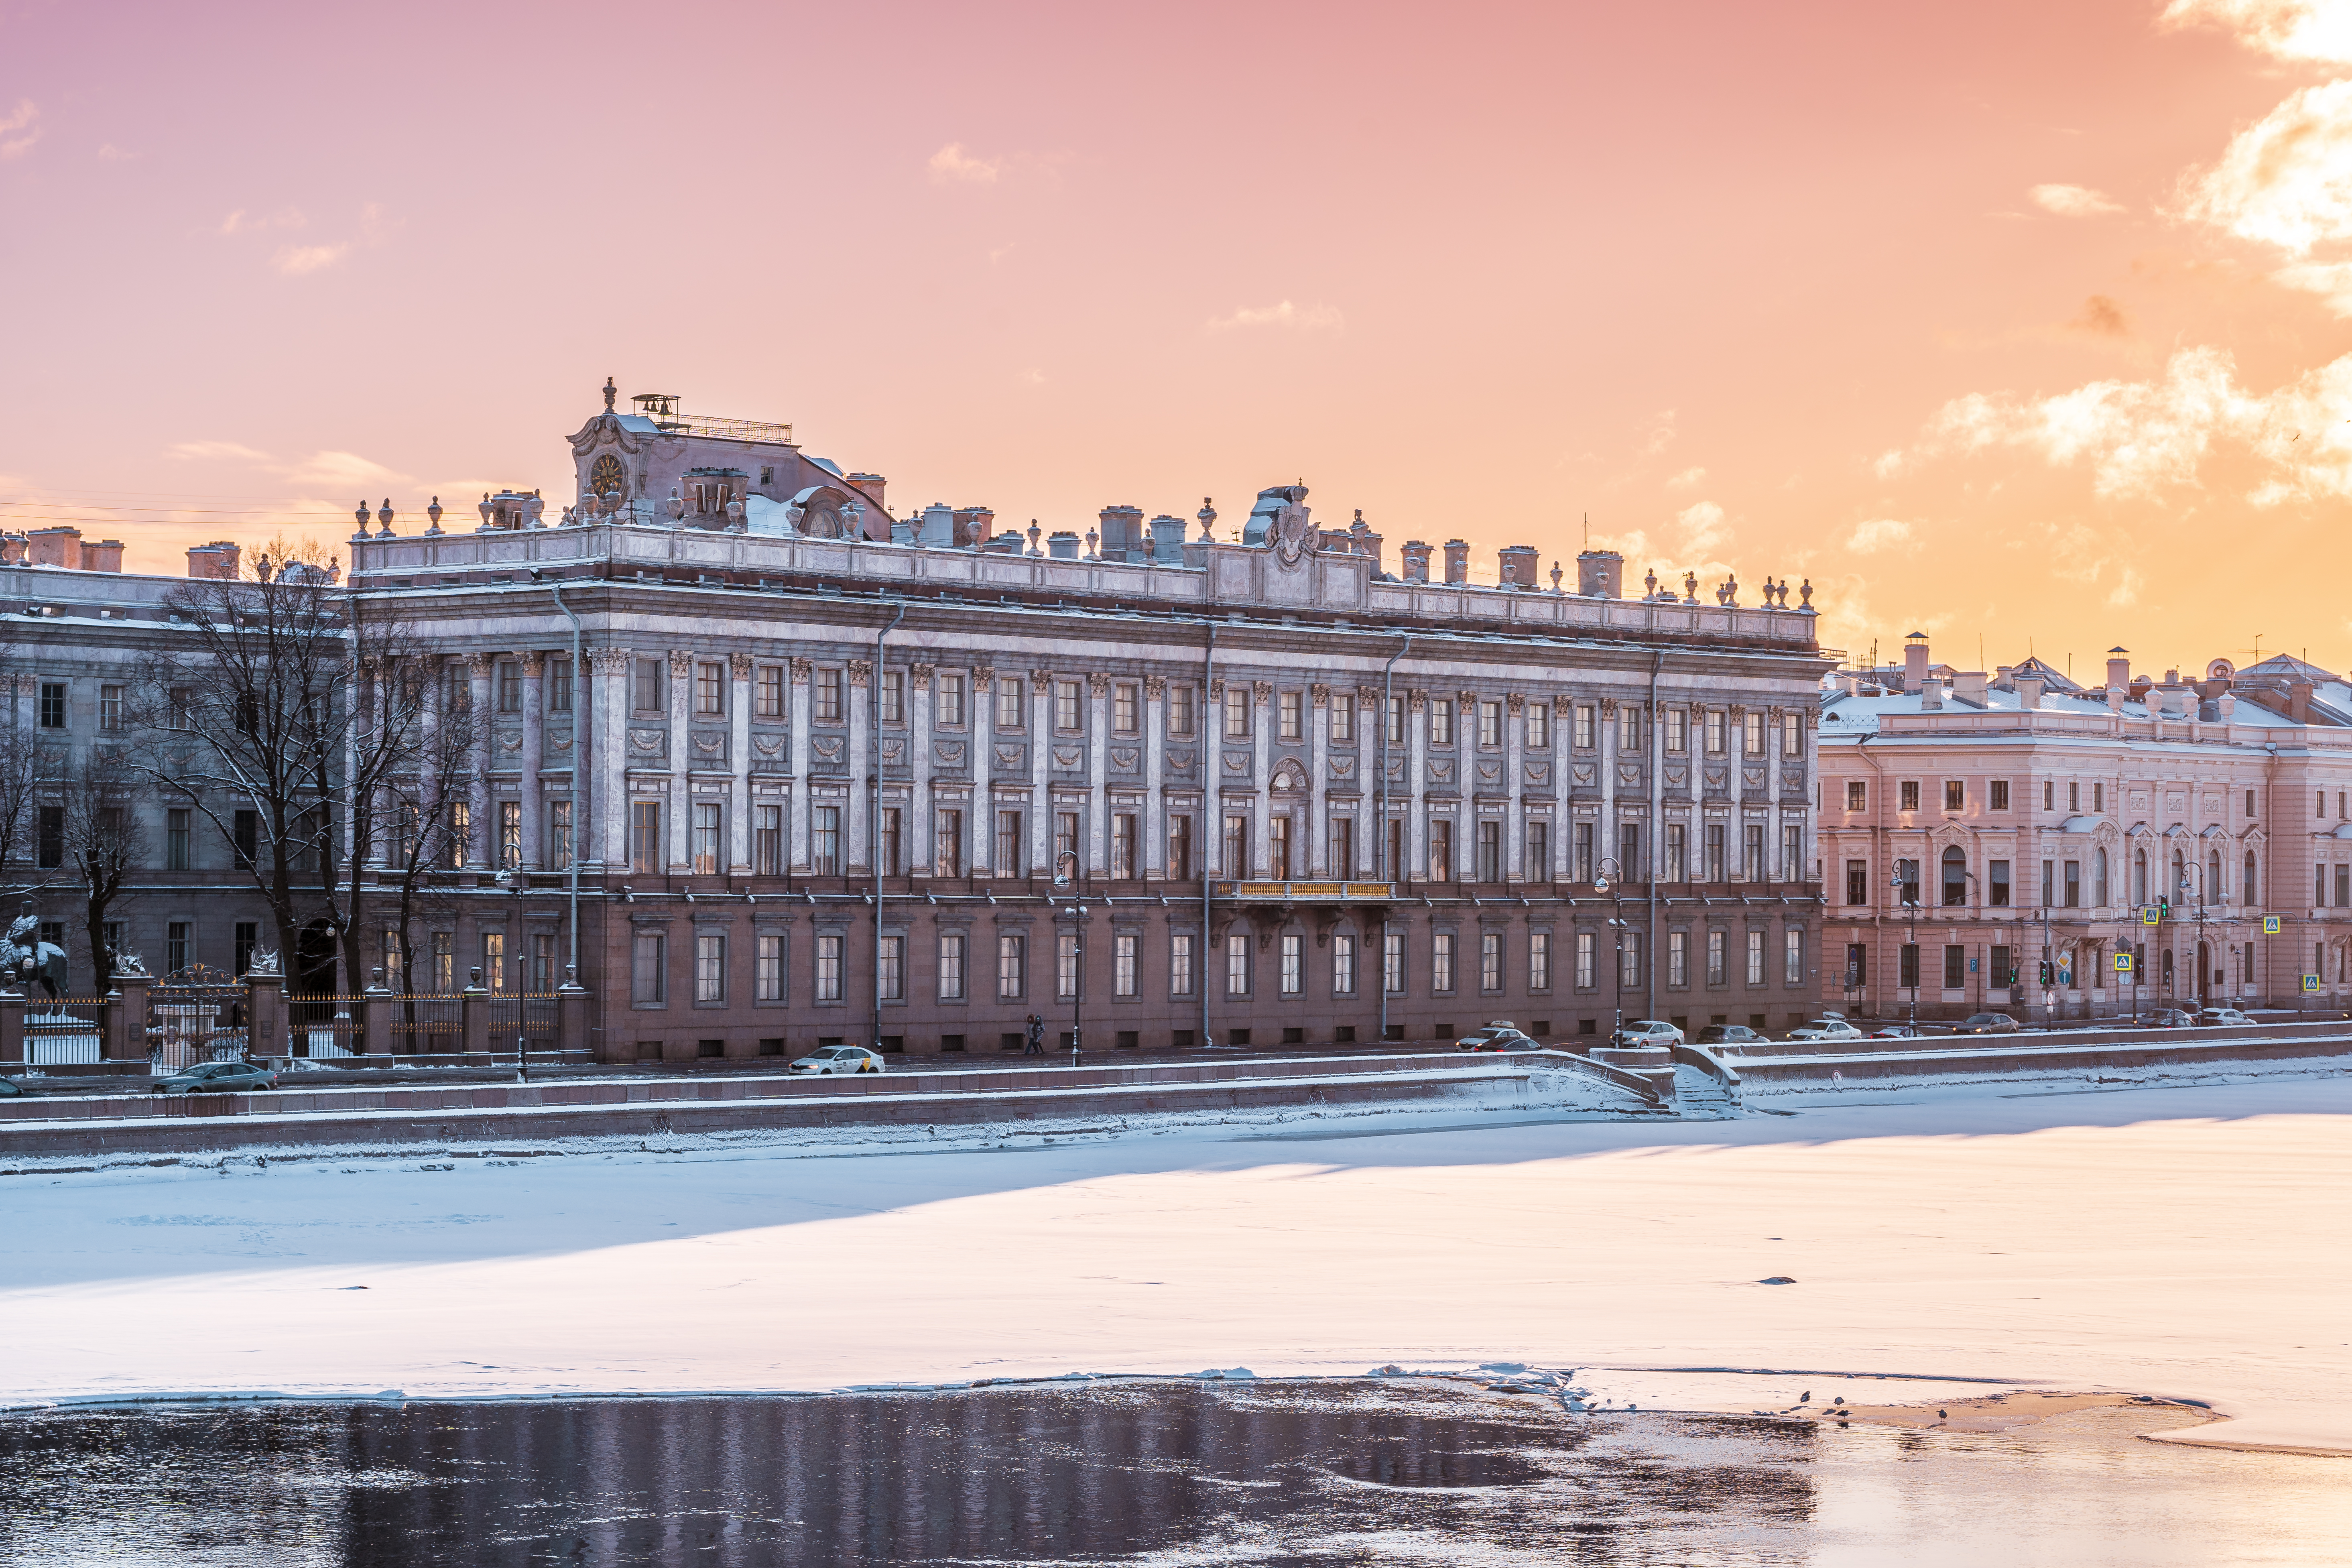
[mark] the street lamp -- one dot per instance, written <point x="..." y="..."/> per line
<point x="1069" y="869"/>
<point x="511" y="877"/>
<point x="1605" y="878"/>
<point x="1908" y="892"/>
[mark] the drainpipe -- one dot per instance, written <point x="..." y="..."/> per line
<point x="1657" y="824"/>
<point x="1388" y="872"/>
<point x="1209" y="824"/>
<point x="873" y="819"/>
<point x="582" y="775"/>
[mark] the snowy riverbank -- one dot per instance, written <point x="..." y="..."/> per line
<point x="2183" y="1241"/>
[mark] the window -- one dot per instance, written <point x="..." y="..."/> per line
<point x="1857" y="795"/>
<point x="768" y="840"/>
<point x="1343" y="724"/>
<point x="1792" y="851"/>
<point x="889" y="841"/>
<point x="1629" y="728"/>
<point x="52" y="705"/>
<point x="1908" y="970"/>
<point x="2049" y="796"/>
<point x="1065" y="840"/>
<point x="951" y="966"/>
<point x="710" y="966"/>
<point x="558" y="836"/>
<point x="1237" y="706"/>
<point x="1751" y="853"/>
<point x="1629" y="852"/>
<point x="1392" y="963"/>
<point x="1997" y="795"/>
<point x="828" y="966"/>
<point x="1755" y="958"/>
<point x="1294" y="964"/>
<point x="510" y="834"/>
<point x="1490" y="851"/>
<point x="1907" y="795"/>
<point x="1956" y="795"/>
<point x="1714" y="842"/>
<point x="1291" y="718"/>
<point x="2098" y="879"/>
<point x="248" y="935"/>
<point x="1490" y="961"/>
<point x="1678" y="958"/>
<point x="2250" y="794"/>
<point x="1012" y="967"/>
<point x="1793" y="731"/>
<point x="1955" y="864"/>
<point x="1180" y="711"/>
<point x="109" y="713"/>
<point x="947" y="839"/>
<point x="2139" y="876"/>
<point x="824" y="840"/>
<point x="1394" y="729"/>
<point x="645" y="696"/>
<point x="1677" y="852"/>
<point x="1070" y="714"/>
<point x="645" y="966"/>
<point x="1628" y="960"/>
<point x="1716" y="721"/>
<point x="1441" y="851"/>
<point x="175" y="838"/>
<point x="1124" y="715"/>
<point x="645" y="836"/>
<point x="245" y="833"/>
<point x="1123" y="963"/>
<point x="1538" y="852"/>
<point x="1588" y="959"/>
<point x="890" y="968"/>
<point x="2073" y="798"/>
<point x="176" y="944"/>
<point x="461" y="833"/>
<point x="1236" y="861"/>
<point x="1180" y="848"/>
<point x="1441" y="962"/>
<point x="444" y="962"/>
<point x="1010" y="860"/>
<point x="707" y="837"/>
<point x="1584" y="738"/>
<point x="1907" y="873"/>
<point x="559" y="683"/>
<point x="768" y="691"/>
<point x="1011" y="706"/>
<point x="1277" y="848"/>
<point x="1236" y="964"/>
<point x="1343" y="964"/>
<point x="1580" y="850"/>
<point x="1342" y="847"/>
<point x="1677" y="729"/>
<point x="947" y="706"/>
<point x="1751" y="734"/>
<point x="1538" y="723"/>
<point x="2246" y="889"/>
<point x="1179" y="964"/>
<point x="768" y="967"/>
<point x="1122" y="846"/>
<point x="826" y="695"/>
<point x="1718" y="957"/>
<point x="1490" y="723"/>
<point x="2000" y="977"/>
<point x="894" y="696"/>
<point x="1955" y="967"/>
<point x="1539" y="961"/>
<point x="2098" y="797"/>
<point x="2074" y="884"/>
<point x="1441" y="720"/>
<point x="1997" y="879"/>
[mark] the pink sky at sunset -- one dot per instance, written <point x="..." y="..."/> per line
<point x="2016" y="321"/>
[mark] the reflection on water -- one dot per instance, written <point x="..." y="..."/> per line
<point x="1269" y="1473"/>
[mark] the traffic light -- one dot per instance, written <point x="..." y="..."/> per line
<point x="2048" y="974"/>
<point x="2163" y="908"/>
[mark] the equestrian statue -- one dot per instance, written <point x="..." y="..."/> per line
<point x="25" y="958"/>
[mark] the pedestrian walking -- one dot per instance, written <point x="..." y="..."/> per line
<point x="1034" y="1045"/>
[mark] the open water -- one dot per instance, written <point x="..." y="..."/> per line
<point x="1148" y="1473"/>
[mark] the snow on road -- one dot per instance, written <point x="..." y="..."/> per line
<point x="2187" y="1242"/>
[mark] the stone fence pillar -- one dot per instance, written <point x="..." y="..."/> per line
<point x="572" y="1018"/>
<point x="126" y="1019"/>
<point x="376" y="1025"/>
<point x="474" y="1018"/>
<point x="12" y="1026"/>
<point x="265" y="1017"/>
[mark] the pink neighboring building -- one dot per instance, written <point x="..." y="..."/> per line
<point x="1975" y="828"/>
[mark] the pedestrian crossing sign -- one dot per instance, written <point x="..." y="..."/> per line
<point x="2147" y="914"/>
<point x="2311" y="983"/>
<point x="2269" y="925"/>
<point x="2122" y="963"/>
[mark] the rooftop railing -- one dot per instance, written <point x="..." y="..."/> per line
<point x="727" y="429"/>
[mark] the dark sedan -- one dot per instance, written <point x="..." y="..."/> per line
<point x="2171" y="1018"/>
<point x="1986" y="1023"/>
<point x="9" y="1087"/>
<point x="218" y="1077"/>
<point x="1731" y="1034"/>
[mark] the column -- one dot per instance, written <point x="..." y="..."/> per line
<point x="1316" y="851"/>
<point x="981" y="734"/>
<point x="1416" y="773"/>
<point x="1514" y="813"/>
<point x="534" y="740"/>
<point x="1563" y="825"/>
<point x="1041" y="795"/>
<point x="477" y="788"/>
<point x="1605" y="831"/>
<point x="922" y="836"/>
<point x="1772" y="786"/>
<point x="800" y="796"/>
<point x="1211" y="844"/>
<point x="1154" y="825"/>
<point x="1097" y="774"/>
<point x="865" y="769"/>
<point x="1261" y="779"/>
<point x="739" y="758"/>
<point x="610" y="740"/>
<point x="681" y="788"/>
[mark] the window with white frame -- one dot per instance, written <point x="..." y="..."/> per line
<point x="1179" y="964"/>
<point x="1793" y="957"/>
<point x="710" y="966"/>
<point x="1343" y="964"/>
<point x="1588" y="959"/>
<point x="952" y="945"/>
<point x="1441" y="962"/>
<point x="890" y="968"/>
<point x="768" y="966"/>
<point x="1490" y="961"/>
<point x="1294" y="964"/>
<point x="1124" y="979"/>
<point x="1539" y="961"/>
<point x="1755" y="958"/>
<point x="1066" y="965"/>
<point x="828" y="967"/>
<point x="1237" y="966"/>
<point x="1012" y="967"/>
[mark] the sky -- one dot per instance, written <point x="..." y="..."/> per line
<point x="2025" y="326"/>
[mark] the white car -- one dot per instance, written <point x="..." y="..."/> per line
<point x="1826" y="1030"/>
<point x="2210" y="1016"/>
<point x="1647" y="1032"/>
<point x="838" y="1058"/>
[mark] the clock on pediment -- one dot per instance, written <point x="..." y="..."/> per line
<point x="608" y="476"/>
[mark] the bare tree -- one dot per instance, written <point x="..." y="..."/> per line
<point x="104" y="844"/>
<point x="27" y="776"/>
<point x="410" y="787"/>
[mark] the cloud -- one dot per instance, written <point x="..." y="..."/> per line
<point x="243" y="221"/>
<point x="108" y="152"/>
<point x="1702" y="528"/>
<point x="295" y="260"/>
<point x="2286" y="30"/>
<point x="1687" y="478"/>
<point x="1661" y="434"/>
<point x="951" y="164"/>
<point x="1881" y="534"/>
<point x="335" y="471"/>
<point x="2332" y="278"/>
<point x="206" y="450"/>
<point x="2285" y="179"/>
<point x="2101" y="317"/>
<point x="21" y="119"/>
<point x="2143" y="438"/>
<point x="1312" y="319"/>
<point x="2074" y="200"/>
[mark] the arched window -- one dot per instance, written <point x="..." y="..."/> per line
<point x="2179" y="876"/>
<point x="1956" y="876"/>
<point x="2213" y="889"/>
<point x="2246" y="887"/>
<point x="2099" y="880"/>
<point x="2139" y="876"/>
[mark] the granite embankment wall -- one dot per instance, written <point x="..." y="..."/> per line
<point x="1793" y="1065"/>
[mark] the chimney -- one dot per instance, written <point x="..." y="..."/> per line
<point x="2140" y="686"/>
<point x="1601" y="574"/>
<point x="1915" y="661"/>
<point x="2118" y="673"/>
<point x="936" y="525"/>
<point x="102" y="555"/>
<point x="2298" y="701"/>
<point x="1931" y="695"/>
<point x="872" y="485"/>
<point x="217" y="559"/>
<point x="2029" y="692"/>
<point x="1167" y="540"/>
<point x="1364" y="542"/>
<point x="1457" y="563"/>
<point x="1415" y="555"/>
<point x="1062" y="544"/>
<point x="974" y="524"/>
<point x="1969" y="688"/>
<point x="53" y="547"/>
<point x="1519" y="563"/>
<point x="1122" y="533"/>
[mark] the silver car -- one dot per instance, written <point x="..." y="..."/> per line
<point x="1647" y="1032"/>
<point x="838" y="1058"/>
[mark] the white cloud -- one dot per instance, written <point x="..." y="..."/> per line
<point x="2288" y="29"/>
<point x="2074" y="200"/>
<point x="951" y="163"/>
<point x="1661" y="434"/>
<point x="21" y="119"/>
<point x="335" y="471"/>
<point x="1880" y="534"/>
<point x="1687" y="478"/>
<point x="2332" y="278"/>
<point x="2142" y="438"/>
<point x="108" y="152"/>
<point x="243" y="221"/>
<point x="2287" y="179"/>
<point x="1702" y="528"/>
<point x="295" y="260"/>
<point x="207" y="450"/>
<point x="1311" y="319"/>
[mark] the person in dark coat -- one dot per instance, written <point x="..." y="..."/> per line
<point x="1036" y="1044"/>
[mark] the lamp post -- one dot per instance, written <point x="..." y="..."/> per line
<point x="1907" y="891"/>
<point x="1068" y="870"/>
<point x="1605" y="878"/>
<point x="511" y="877"/>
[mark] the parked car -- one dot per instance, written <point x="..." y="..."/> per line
<point x="1498" y="1035"/>
<point x="1986" y="1023"/>
<point x="1731" y="1034"/>
<point x="1647" y="1032"/>
<point x="1829" y="1028"/>
<point x="2211" y="1016"/>
<point x="8" y="1086"/>
<point x="838" y="1058"/>
<point x="1899" y="1032"/>
<point x="218" y="1077"/>
<point x="2171" y="1018"/>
